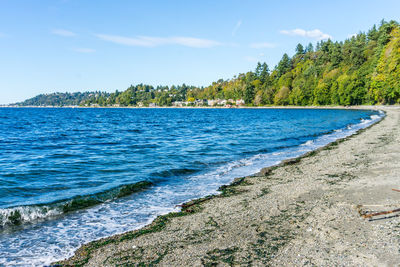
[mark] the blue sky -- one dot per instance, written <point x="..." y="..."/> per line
<point x="79" y="45"/>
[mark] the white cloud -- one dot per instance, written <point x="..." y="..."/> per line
<point x="62" y="32"/>
<point x="84" y="50"/>
<point x="352" y="35"/>
<point x="314" y="34"/>
<point x="147" y="41"/>
<point x="262" y="45"/>
<point x="236" y="28"/>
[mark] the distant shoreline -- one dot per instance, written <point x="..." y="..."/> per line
<point x="214" y="107"/>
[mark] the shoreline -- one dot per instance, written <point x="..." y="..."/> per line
<point x="113" y="244"/>
<point x="360" y="107"/>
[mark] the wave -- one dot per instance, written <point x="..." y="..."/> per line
<point x="343" y="132"/>
<point x="174" y="172"/>
<point x="265" y="158"/>
<point x="29" y="213"/>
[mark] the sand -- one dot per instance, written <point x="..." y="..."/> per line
<point x="306" y="211"/>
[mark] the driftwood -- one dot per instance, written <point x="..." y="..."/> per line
<point x="380" y="213"/>
<point x="193" y="202"/>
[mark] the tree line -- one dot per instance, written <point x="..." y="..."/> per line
<point x="363" y="69"/>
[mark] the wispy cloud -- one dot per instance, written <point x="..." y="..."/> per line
<point x="147" y="41"/>
<point x="236" y="28"/>
<point x="64" y="33"/>
<point x="314" y="34"/>
<point x="262" y="45"/>
<point x="84" y="50"/>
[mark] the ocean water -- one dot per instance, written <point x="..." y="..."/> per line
<point x="69" y="176"/>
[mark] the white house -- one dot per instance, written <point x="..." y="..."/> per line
<point x="211" y="102"/>
<point x="239" y="102"/>
<point x="222" y="102"/>
<point x="177" y="104"/>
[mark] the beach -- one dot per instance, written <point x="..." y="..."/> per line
<point x="305" y="211"/>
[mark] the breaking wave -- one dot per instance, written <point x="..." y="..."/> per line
<point x="29" y="213"/>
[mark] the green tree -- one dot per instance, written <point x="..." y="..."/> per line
<point x="299" y="49"/>
<point x="283" y="65"/>
<point x="249" y="94"/>
<point x="309" y="48"/>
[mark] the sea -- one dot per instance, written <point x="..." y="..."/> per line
<point x="72" y="175"/>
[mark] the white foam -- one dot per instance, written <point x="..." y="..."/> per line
<point x="27" y="213"/>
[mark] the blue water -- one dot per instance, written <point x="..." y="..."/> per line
<point x="69" y="176"/>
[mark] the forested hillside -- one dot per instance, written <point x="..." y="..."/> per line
<point x="64" y="99"/>
<point x="364" y="69"/>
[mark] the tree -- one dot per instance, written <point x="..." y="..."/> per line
<point x="309" y="48"/>
<point x="299" y="49"/>
<point x="283" y="65"/>
<point x="282" y="97"/>
<point x="336" y="54"/>
<point x="264" y="75"/>
<point x="373" y="34"/>
<point x="258" y="70"/>
<point x="249" y="94"/>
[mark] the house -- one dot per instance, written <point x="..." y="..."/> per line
<point x="222" y="102"/>
<point x="152" y="105"/>
<point x="198" y="102"/>
<point x="177" y="104"/>
<point x="240" y="102"/>
<point x="211" y="102"/>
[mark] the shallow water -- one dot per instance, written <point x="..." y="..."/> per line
<point x="69" y="176"/>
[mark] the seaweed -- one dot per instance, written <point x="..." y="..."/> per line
<point x="15" y="217"/>
<point x="216" y="256"/>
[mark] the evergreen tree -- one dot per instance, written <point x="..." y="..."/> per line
<point x="283" y="65"/>
<point x="309" y="48"/>
<point x="299" y="49"/>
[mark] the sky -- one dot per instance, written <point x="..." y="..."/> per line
<point x="82" y="45"/>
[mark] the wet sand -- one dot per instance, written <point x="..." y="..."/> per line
<point x="306" y="211"/>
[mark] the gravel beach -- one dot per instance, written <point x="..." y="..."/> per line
<point x="306" y="211"/>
